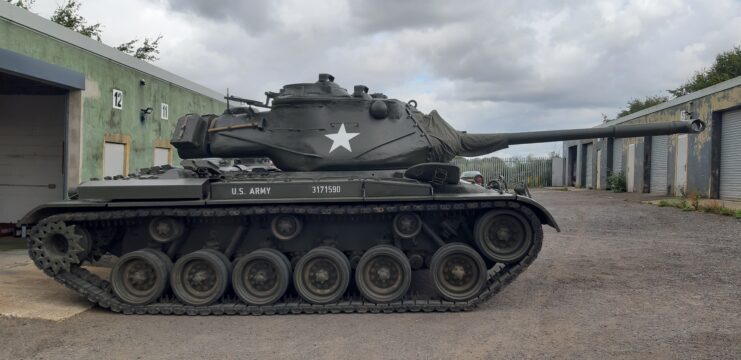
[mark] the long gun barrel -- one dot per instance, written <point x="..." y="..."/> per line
<point x="482" y="144"/>
<point x="616" y="131"/>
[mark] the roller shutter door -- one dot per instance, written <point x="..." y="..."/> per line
<point x="589" y="166"/>
<point x="617" y="156"/>
<point x="730" y="156"/>
<point x="659" y="155"/>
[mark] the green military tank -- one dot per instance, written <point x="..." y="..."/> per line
<point x="364" y="198"/>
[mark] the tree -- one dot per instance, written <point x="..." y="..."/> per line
<point x="147" y="51"/>
<point x="636" y="105"/>
<point x="727" y="66"/>
<point x="67" y="15"/>
<point x="25" y="4"/>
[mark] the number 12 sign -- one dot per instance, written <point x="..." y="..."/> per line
<point x="117" y="99"/>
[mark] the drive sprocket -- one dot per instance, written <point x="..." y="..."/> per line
<point x="56" y="246"/>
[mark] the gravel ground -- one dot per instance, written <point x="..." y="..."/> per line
<point x="622" y="280"/>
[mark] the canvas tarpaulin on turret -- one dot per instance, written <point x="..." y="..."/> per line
<point x="448" y="142"/>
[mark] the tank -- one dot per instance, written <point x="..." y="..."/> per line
<point x="363" y="197"/>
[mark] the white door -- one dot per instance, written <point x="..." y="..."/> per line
<point x="161" y="156"/>
<point x="114" y="159"/>
<point x="680" y="166"/>
<point x="659" y="157"/>
<point x="630" y="168"/>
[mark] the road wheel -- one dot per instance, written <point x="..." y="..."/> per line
<point x="383" y="274"/>
<point x="458" y="272"/>
<point x="261" y="277"/>
<point x="140" y="277"/>
<point x="201" y="277"/>
<point x="503" y="235"/>
<point x="322" y="275"/>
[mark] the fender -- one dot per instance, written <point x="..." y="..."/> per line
<point x="543" y="214"/>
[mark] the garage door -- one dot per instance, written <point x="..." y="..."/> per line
<point x="659" y="155"/>
<point x="730" y="156"/>
<point x="31" y="153"/>
<point x="589" y="166"/>
<point x="617" y="156"/>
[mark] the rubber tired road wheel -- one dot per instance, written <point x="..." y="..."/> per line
<point x="503" y="235"/>
<point x="458" y="271"/>
<point x="201" y="277"/>
<point x="261" y="277"/>
<point x="322" y="275"/>
<point x="383" y="274"/>
<point x="140" y="277"/>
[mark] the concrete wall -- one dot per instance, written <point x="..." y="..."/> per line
<point x="707" y="104"/>
<point x="91" y="110"/>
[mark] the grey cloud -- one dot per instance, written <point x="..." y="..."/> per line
<point x="253" y="16"/>
<point x="392" y="15"/>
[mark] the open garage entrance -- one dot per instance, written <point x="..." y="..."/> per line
<point x="34" y="134"/>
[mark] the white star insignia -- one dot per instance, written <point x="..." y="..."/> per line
<point x="341" y="139"/>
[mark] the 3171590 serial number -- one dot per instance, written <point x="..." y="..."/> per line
<point x="326" y="189"/>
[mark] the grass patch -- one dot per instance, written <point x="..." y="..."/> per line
<point x="713" y="207"/>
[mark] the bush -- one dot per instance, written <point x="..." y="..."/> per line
<point x="617" y="183"/>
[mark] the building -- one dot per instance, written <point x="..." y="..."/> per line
<point x="708" y="164"/>
<point x="72" y="108"/>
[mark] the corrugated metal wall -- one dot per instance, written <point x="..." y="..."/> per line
<point x="659" y="156"/>
<point x="617" y="156"/>
<point x="590" y="155"/>
<point x="730" y="156"/>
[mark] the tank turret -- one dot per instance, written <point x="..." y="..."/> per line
<point x="321" y="126"/>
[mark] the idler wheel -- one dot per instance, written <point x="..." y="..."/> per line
<point x="56" y="246"/>
<point x="322" y="275"/>
<point x="383" y="274"/>
<point x="407" y="225"/>
<point x="201" y="277"/>
<point x="164" y="229"/>
<point x="286" y="227"/>
<point x="458" y="272"/>
<point x="503" y="235"/>
<point x="141" y="277"/>
<point x="261" y="277"/>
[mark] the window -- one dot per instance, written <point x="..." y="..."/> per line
<point x="114" y="159"/>
<point x="161" y="156"/>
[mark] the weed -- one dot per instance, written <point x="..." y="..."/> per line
<point x="617" y="183"/>
<point x="695" y="200"/>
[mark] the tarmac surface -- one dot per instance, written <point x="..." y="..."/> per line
<point x="622" y="280"/>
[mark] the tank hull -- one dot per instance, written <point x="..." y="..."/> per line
<point x="236" y="217"/>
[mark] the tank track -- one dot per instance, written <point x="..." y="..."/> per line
<point x="99" y="292"/>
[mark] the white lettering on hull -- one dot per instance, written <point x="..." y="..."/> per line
<point x="262" y="190"/>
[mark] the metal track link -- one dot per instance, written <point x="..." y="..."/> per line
<point x="98" y="290"/>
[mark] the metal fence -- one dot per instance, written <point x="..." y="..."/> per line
<point x="534" y="171"/>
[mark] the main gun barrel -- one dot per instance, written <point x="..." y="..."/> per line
<point x="615" y="131"/>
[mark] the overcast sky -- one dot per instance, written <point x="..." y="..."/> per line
<point x="487" y="66"/>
